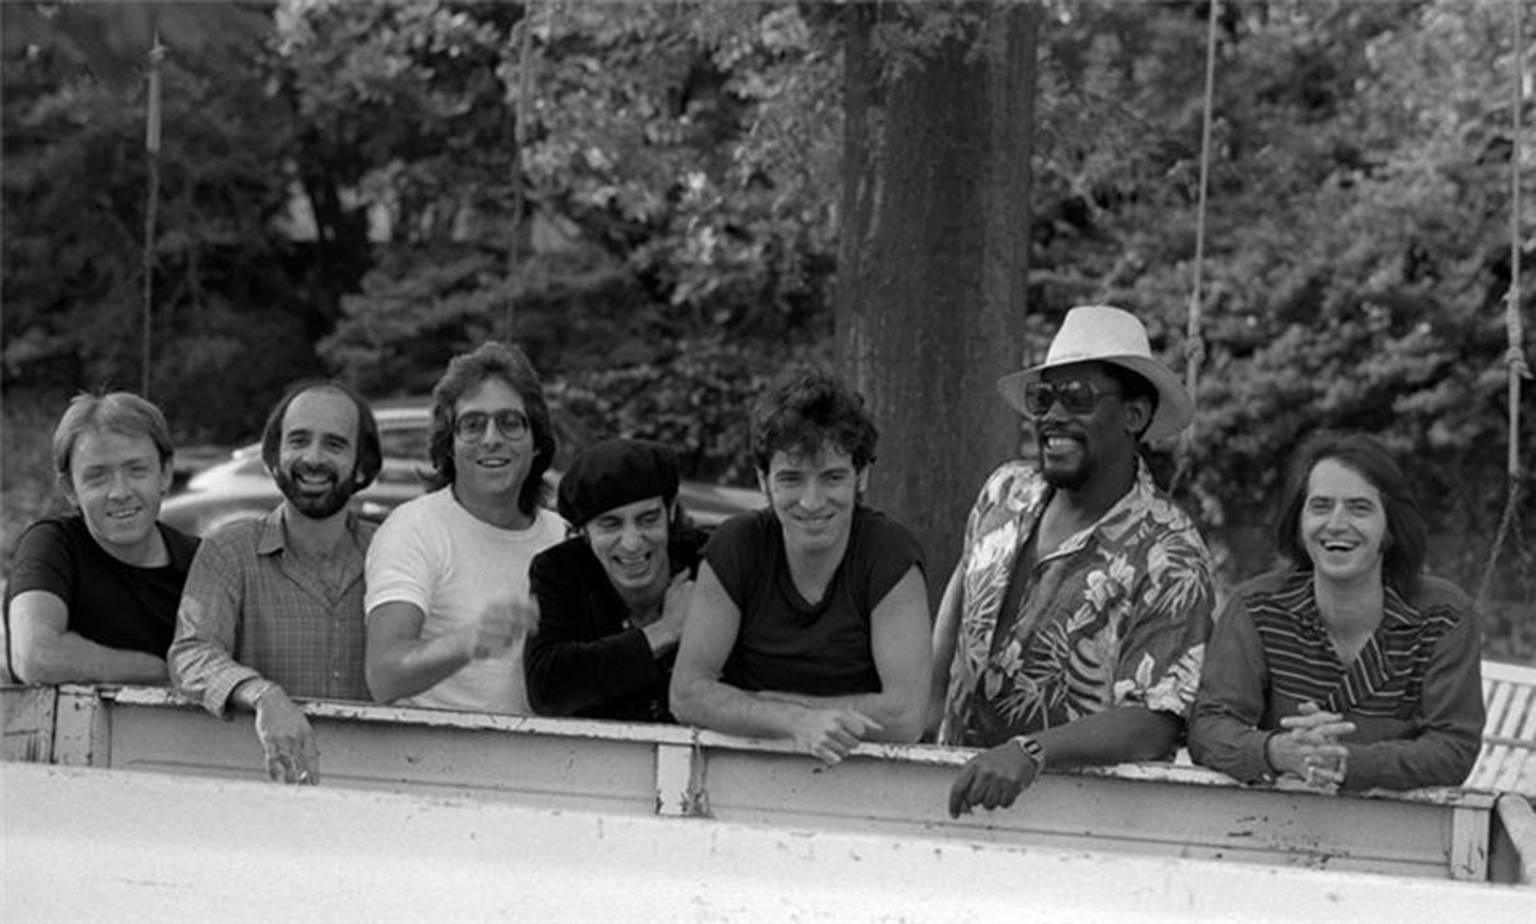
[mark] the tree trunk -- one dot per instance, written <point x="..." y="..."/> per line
<point x="933" y="261"/>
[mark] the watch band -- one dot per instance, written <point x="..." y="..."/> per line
<point x="1032" y="749"/>
<point x="261" y="687"/>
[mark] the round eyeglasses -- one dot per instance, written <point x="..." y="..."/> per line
<point x="471" y="424"/>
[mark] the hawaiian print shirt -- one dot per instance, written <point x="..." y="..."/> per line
<point x="1117" y="615"/>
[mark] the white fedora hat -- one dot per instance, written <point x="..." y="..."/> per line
<point x="1105" y="334"/>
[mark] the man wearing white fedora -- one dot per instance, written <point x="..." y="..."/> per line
<point x="1073" y="628"/>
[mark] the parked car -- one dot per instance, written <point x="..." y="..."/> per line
<point x="240" y="487"/>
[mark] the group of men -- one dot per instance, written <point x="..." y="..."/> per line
<point x="1070" y="633"/>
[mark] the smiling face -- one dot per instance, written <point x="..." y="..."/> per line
<point x="1343" y="524"/>
<point x="631" y="543"/>
<point x="317" y="453"/>
<point x="117" y="480"/>
<point x="1077" y="448"/>
<point x="489" y="469"/>
<point x="813" y="496"/>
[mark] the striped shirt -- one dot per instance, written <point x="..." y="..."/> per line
<point x="254" y="608"/>
<point x="1414" y="691"/>
<point x="1385" y="680"/>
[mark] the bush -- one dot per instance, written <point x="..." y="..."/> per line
<point x="696" y="399"/>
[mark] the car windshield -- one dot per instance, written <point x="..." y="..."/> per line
<point x="405" y="442"/>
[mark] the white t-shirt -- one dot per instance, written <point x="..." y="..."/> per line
<point x="438" y="557"/>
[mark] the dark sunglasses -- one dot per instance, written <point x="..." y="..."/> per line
<point x="1075" y="397"/>
<point x="471" y="425"/>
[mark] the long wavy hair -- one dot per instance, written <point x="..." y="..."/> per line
<point x="1406" y="542"/>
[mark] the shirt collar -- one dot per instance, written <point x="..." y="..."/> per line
<point x="1141" y="496"/>
<point x="271" y="539"/>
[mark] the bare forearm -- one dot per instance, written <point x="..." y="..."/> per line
<point x="71" y="658"/>
<point x="406" y="668"/>
<point x="733" y="711"/>
<point x="900" y="717"/>
<point x="946" y="631"/>
<point x="1118" y="735"/>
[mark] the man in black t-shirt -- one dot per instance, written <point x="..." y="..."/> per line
<point x="809" y="620"/>
<point x="93" y="594"/>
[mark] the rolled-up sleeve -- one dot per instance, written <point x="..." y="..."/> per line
<point x="201" y="662"/>
<point x="1224" y="731"/>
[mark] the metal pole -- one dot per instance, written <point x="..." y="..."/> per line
<point x="151" y="209"/>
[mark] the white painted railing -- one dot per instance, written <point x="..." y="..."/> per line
<point x="87" y="845"/>
<point x="626" y="770"/>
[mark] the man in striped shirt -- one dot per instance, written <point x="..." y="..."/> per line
<point x="273" y="607"/>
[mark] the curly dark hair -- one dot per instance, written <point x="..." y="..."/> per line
<point x="808" y="409"/>
<point x="370" y="456"/>
<point x="465" y="372"/>
<point x="1407" y="540"/>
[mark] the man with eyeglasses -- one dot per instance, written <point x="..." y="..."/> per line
<point x="273" y="607"/>
<point x="1073" y="629"/>
<point x="448" y="598"/>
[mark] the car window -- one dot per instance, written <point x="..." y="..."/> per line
<point x="405" y="452"/>
<point x="405" y="442"/>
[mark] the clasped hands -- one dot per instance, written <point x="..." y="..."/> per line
<point x="1309" y="748"/>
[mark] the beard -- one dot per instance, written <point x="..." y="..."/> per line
<point x="1066" y="479"/>
<point x="1066" y="476"/>
<point x="312" y="505"/>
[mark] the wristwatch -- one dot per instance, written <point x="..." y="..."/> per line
<point x="1032" y="749"/>
<point x="261" y="688"/>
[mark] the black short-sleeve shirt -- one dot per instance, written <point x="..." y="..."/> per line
<point x="110" y="602"/>
<point x="788" y="645"/>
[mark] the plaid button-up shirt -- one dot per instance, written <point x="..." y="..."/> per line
<point x="254" y="608"/>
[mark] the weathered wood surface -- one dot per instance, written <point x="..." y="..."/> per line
<point x="1507" y="761"/>
<point x="90" y="844"/>
<point x="1512" y="853"/>
<point x="641" y="770"/>
<point x="27" y="721"/>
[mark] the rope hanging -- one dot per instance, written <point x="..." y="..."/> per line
<point x="1514" y="355"/>
<point x="151" y="208"/>
<point x="1194" y="346"/>
<point x="519" y="176"/>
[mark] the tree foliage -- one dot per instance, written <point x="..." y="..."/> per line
<point x="651" y="204"/>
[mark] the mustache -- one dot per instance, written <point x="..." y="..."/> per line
<point x="301" y="469"/>
<point x="1057" y="430"/>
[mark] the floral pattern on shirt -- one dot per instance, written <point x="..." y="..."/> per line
<point x="1117" y="615"/>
